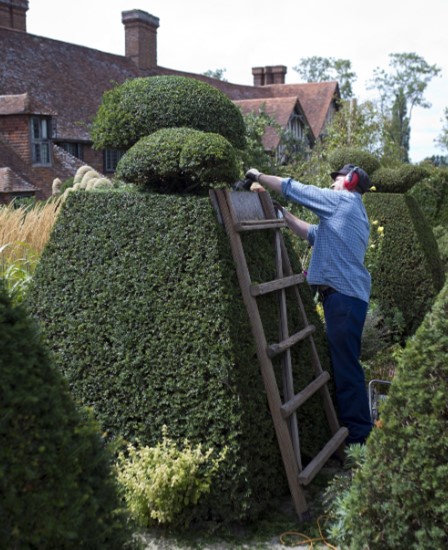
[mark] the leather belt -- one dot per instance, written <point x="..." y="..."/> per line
<point x="324" y="291"/>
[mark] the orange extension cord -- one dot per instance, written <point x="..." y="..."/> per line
<point x="305" y="539"/>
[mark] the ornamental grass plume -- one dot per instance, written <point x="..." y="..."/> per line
<point x="25" y="225"/>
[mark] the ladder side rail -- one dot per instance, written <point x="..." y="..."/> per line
<point x="267" y="371"/>
<point x="288" y="382"/>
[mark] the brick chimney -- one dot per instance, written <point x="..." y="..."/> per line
<point x="13" y="14"/>
<point x="140" y="29"/>
<point x="263" y="76"/>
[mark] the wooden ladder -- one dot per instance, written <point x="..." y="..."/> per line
<point x="245" y="211"/>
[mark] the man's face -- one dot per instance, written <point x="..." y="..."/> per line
<point x="338" y="183"/>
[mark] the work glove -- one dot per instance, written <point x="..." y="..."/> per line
<point x="253" y="174"/>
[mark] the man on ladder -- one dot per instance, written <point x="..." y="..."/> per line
<point x="338" y="273"/>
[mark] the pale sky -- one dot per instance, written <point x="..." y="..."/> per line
<point x="236" y="35"/>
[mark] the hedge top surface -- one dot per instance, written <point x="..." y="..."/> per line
<point x="141" y="106"/>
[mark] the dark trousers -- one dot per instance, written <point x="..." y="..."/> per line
<point x="345" y="317"/>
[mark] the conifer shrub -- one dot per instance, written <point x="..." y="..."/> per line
<point x="57" y="489"/>
<point x="398" y="497"/>
<point x="179" y="160"/>
<point x="141" y="106"/>
<point x="407" y="273"/>
<point x="352" y="155"/>
<point x="138" y="299"/>
<point x="431" y="193"/>
<point x="397" y="180"/>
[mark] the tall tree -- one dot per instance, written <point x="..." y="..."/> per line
<point x="442" y="139"/>
<point x="323" y="69"/>
<point x="216" y="73"/>
<point x="362" y="125"/>
<point x="399" y="126"/>
<point x="401" y="89"/>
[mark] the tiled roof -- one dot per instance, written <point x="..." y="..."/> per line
<point x="314" y="98"/>
<point x="10" y="182"/>
<point x="70" y="80"/>
<point x="65" y="78"/>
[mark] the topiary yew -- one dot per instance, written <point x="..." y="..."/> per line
<point x="148" y="325"/>
<point x="352" y="155"/>
<point x="56" y="484"/>
<point x="397" y="180"/>
<point x="141" y="106"/>
<point x="398" y="498"/>
<point x="406" y="269"/>
<point x="179" y="160"/>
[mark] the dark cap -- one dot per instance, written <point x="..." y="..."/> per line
<point x="364" y="181"/>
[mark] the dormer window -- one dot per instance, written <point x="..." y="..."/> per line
<point x="40" y="140"/>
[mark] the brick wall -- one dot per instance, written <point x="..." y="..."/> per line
<point x="15" y="131"/>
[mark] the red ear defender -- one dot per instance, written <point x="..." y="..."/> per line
<point x="351" y="180"/>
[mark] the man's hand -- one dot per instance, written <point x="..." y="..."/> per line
<point x="253" y="174"/>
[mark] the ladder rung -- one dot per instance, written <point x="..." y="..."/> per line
<point x="253" y="225"/>
<point x="275" y="349"/>
<point x="277" y="284"/>
<point x="300" y="398"/>
<point x="308" y="473"/>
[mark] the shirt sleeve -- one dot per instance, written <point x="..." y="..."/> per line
<point x="312" y="233"/>
<point x="323" y="202"/>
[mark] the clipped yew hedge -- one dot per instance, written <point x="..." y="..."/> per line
<point x="399" y="497"/>
<point x="398" y="180"/>
<point x="141" y="106"/>
<point x="57" y="489"/>
<point x="138" y="299"/>
<point x="432" y="196"/>
<point x="179" y="160"/>
<point x="407" y="273"/>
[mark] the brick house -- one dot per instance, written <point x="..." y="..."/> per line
<point x="50" y="92"/>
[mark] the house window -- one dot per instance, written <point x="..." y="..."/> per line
<point x="111" y="158"/>
<point x="75" y="149"/>
<point x="40" y="141"/>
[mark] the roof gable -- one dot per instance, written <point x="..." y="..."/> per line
<point x="281" y="109"/>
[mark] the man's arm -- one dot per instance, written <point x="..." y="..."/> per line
<point x="274" y="183"/>
<point x="297" y="226"/>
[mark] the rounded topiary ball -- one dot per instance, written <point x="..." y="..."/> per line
<point x="141" y="106"/>
<point x="352" y="155"/>
<point x="179" y="160"/>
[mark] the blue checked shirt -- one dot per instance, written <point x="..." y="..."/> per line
<point x="340" y="239"/>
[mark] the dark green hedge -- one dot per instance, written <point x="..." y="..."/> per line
<point x="398" y="498"/>
<point x="408" y="273"/>
<point x="178" y="160"/>
<point x="141" y="106"/>
<point x="397" y="180"/>
<point x="431" y="193"/>
<point x="138" y="299"/>
<point x="56" y="484"/>
<point x="353" y="155"/>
